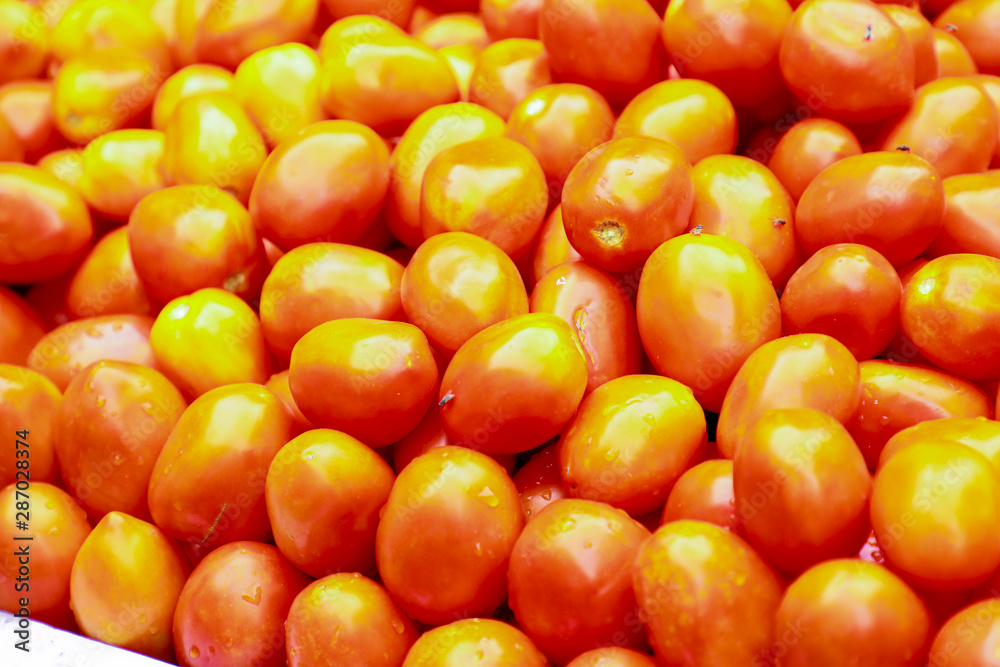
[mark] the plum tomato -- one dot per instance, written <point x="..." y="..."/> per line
<point x="106" y="282"/>
<point x="26" y="108"/>
<point x="25" y="41"/>
<point x="808" y="148"/>
<point x="482" y="641"/>
<point x="704" y="493"/>
<point x="28" y="400"/>
<point x="971" y="202"/>
<point x="188" y="82"/>
<point x="920" y="35"/>
<point x="953" y="59"/>
<point x="979" y="433"/>
<point x="975" y="23"/>
<point x="119" y="169"/>
<point x="506" y="72"/>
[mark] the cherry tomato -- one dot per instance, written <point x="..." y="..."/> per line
<point x="106" y="282"/>
<point x="504" y="19"/>
<point x="475" y="640"/>
<point x="970" y="204"/>
<point x="979" y="433"/>
<point x="189" y="81"/>
<point x="26" y="107"/>
<point x="506" y="72"/>
<point x="704" y="493"/>
<point x="920" y="35"/>
<point x="975" y="23"/>
<point x="808" y="148"/>
<point x="20" y="328"/>
<point x="28" y="400"/>
<point x="552" y="247"/>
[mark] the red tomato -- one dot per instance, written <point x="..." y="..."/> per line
<point x="235" y="604"/>
<point x="570" y="579"/>
<point x="971" y="202"/>
<point x="483" y="641"/>
<point x="446" y="535"/>
<point x="976" y="24"/>
<point x="697" y="583"/>
<point x="20" y="328"/>
<point x="538" y="481"/>
<point x="808" y="148"/>
<point x="979" y="433"/>
<point x="704" y="493"/>
<point x="28" y="400"/>
<point x="504" y="19"/>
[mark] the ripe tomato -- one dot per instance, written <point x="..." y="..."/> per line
<point x="969" y="216"/>
<point x="193" y="495"/>
<point x="539" y="355"/>
<point x="936" y="487"/>
<point x="506" y="72"/>
<point x="109" y="430"/>
<point x="475" y="640"/>
<point x="20" y="328"/>
<point x="346" y="618"/>
<point x="851" y="612"/>
<point x="119" y="169"/>
<point x="124" y="585"/>
<point x="446" y="535"/>
<point x="979" y="433"/>
<point x="552" y="247"/>
<point x="613" y="656"/>
<point x="453" y="29"/>
<point x="462" y="61"/>
<point x="704" y="493"/>
<point x="95" y="25"/>
<point x="28" y="400"/>
<point x="570" y="579"/>
<point x="892" y="202"/>
<point x="348" y="167"/>
<point x="975" y="23"/>
<point x="799" y="371"/>
<point x="953" y="59"/>
<point x="66" y="165"/>
<point x="278" y="384"/>
<point x="697" y="583"/>
<point x="504" y="19"/>
<point x="848" y="60"/>
<point x="26" y="107"/>
<point x="25" y="41"/>
<point x="539" y="482"/>
<point x="808" y="148"/>
<point x="235" y="604"/>
<point x="990" y="84"/>
<point x="968" y="637"/>
<point x="106" y="282"/>
<point x="920" y="35"/>
<point x="188" y="82"/>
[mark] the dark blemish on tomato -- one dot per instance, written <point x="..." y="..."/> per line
<point x="904" y="148"/>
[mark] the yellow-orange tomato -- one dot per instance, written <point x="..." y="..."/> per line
<point x="979" y="433"/>
<point x="208" y="339"/>
<point x="920" y="34"/>
<point x="119" y="169"/>
<point x="432" y="132"/>
<point x="20" y="328"/>
<point x="106" y="283"/>
<point x="952" y="58"/>
<point x="559" y="123"/>
<point x="221" y="33"/>
<point x="368" y="378"/>
<point x="279" y="88"/>
<point x="110" y="427"/>
<point x="611" y="452"/>
<point x="24" y="41"/>
<point x="100" y="91"/>
<point x="552" y="248"/>
<point x="397" y="12"/>
<point x="187" y="237"/>
<point x="65" y="164"/>
<point x="506" y="19"/>
<point x="462" y="60"/>
<point x="58" y="528"/>
<point x="188" y="82"/>
<point x="348" y="177"/>
<point x="385" y="81"/>
<point x="26" y="106"/>
<point x="319" y="282"/>
<point x="95" y="25"/>
<point x="969" y="216"/>
<point x="493" y="188"/>
<point x="799" y="371"/>
<point x="506" y="72"/>
<point x="28" y="401"/>
<point x="453" y="29"/>
<point x="127" y="561"/>
<point x="704" y="305"/>
<point x="324" y="490"/>
<point x="693" y="114"/>
<point x="601" y="314"/>
<point x="808" y="148"/>
<point x="45" y="225"/>
<point x="741" y="199"/>
<point x="210" y="140"/>
<point x="975" y="24"/>
<point x="278" y="384"/>
<point x="193" y="494"/>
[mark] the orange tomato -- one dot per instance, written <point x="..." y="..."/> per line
<point x="539" y="482"/>
<point x="506" y="72"/>
<point x="979" y="433"/>
<point x="975" y="23"/>
<point x="28" y="400"/>
<point x="453" y="29"/>
<point x="188" y="82"/>
<point x="970" y="204"/>
<point x="26" y="107"/>
<point x="552" y="247"/>
<point x="106" y="282"/>
<point x="461" y="642"/>
<point x="953" y="59"/>
<point x="462" y="61"/>
<point x="507" y="19"/>
<point x="278" y="384"/>
<point x="95" y="25"/>
<point x="65" y="164"/>
<point x="968" y="637"/>
<point x="24" y="39"/>
<point x="119" y="169"/>
<point x="991" y="86"/>
<point x="920" y="35"/>
<point x="808" y="148"/>
<point x="704" y="493"/>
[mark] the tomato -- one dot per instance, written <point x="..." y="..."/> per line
<point x="452" y="30"/>
<point x="508" y="71"/>
<point x="850" y="612"/>
<point x="892" y="202"/>
<point x="235" y="604"/>
<point x="46" y="226"/>
<point x="570" y="579"/>
<point x="705" y="596"/>
<point x="28" y="400"/>
<point x="552" y="247"/>
<point x="693" y="114"/>
<point x="621" y="53"/>
<point x="349" y="168"/>
<point x="95" y="25"/>
<point x="704" y="493"/>
<point x="119" y="169"/>
<point x="848" y="60"/>
<point x="705" y="304"/>
<point x="66" y="350"/>
<point x="189" y="81"/>
<point x="971" y="201"/>
<point x="25" y="41"/>
<point x="612" y="450"/>
<point x="124" y="585"/>
<point x="106" y="283"/>
<point x="739" y="198"/>
<point x="26" y="107"/>
<point x="742" y="56"/>
<point x="975" y="23"/>
<point x="504" y="19"/>
<point x="514" y="385"/>
<point x="979" y="433"/>
<point x="808" y="148"/>
<point x="897" y="396"/>
<point x="849" y="292"/>
<point x="539" y="482"/>
<point x="934" y="488"/>
<point x="968" y="638"/>
<point x="613" y="656"/>
<point x="109" y="430"/>
<point x="66" y="165"/>
<point x="58" y="527"/>
<point x="446" y="535"/>
<point x="799" y="371"/>
<point x="475" y="640"/>
<point x="353" y="29"/>
<point x="947" y="311"/>
<point x="920" y="35"/>
<point x="278" y="384"/>
<point x="624" y="198"/>
<point x="343" y="618"/>
<point x="20" y="328"/>
<point x="953" y="59"/>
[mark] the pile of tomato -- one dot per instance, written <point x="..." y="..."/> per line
<point x="502" y="332"/>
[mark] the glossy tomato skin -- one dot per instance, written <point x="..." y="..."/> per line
<point x="28" y="400"/>
<point x="119" y="169"/>
<point x="128" y="563"/>
<point x="968" y="637"/>
<point x="613" y="451"/>
<point x="110" y="428"/>
<point x="613" y="656"/>
<point x="482" y="640"/>
<point x="696" y="582"/>
<point x="704" y="493"/>
<point x="935" y="486"/>
<point x="947" y="311"/>
<point x="843" y="70"/>
<point x="506" y="72"/>
<point x="510" y="18"/>
<point x="979" y="433"/>
<point x="892" y="202"/>
<point x="953" y="59"/>
<point x="975" y="23"/>
<point x="514" y="385"/>
<point x="799" y="371"/>
<point x="847" y="291"/>
<point x="187" y="82"/>
<point x="106" y="282"/>
<point x="446" y="535"/>
<point x="687" y="331"/>
<point x="858" y="613"/>
<point x="539" y="481"/>
<point x="920" y="35"/>
<point x="552" y="248"/>
<point x="601" y="314"/>
<point x="570" y="579"/>
<point x="970" y="203"/>
<point x="20" y="328"/>
<point x="193" y="495"/>
<point x="234" y="605"/>
<point x="346" y="617"/>
<point x="808" y="148"/>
